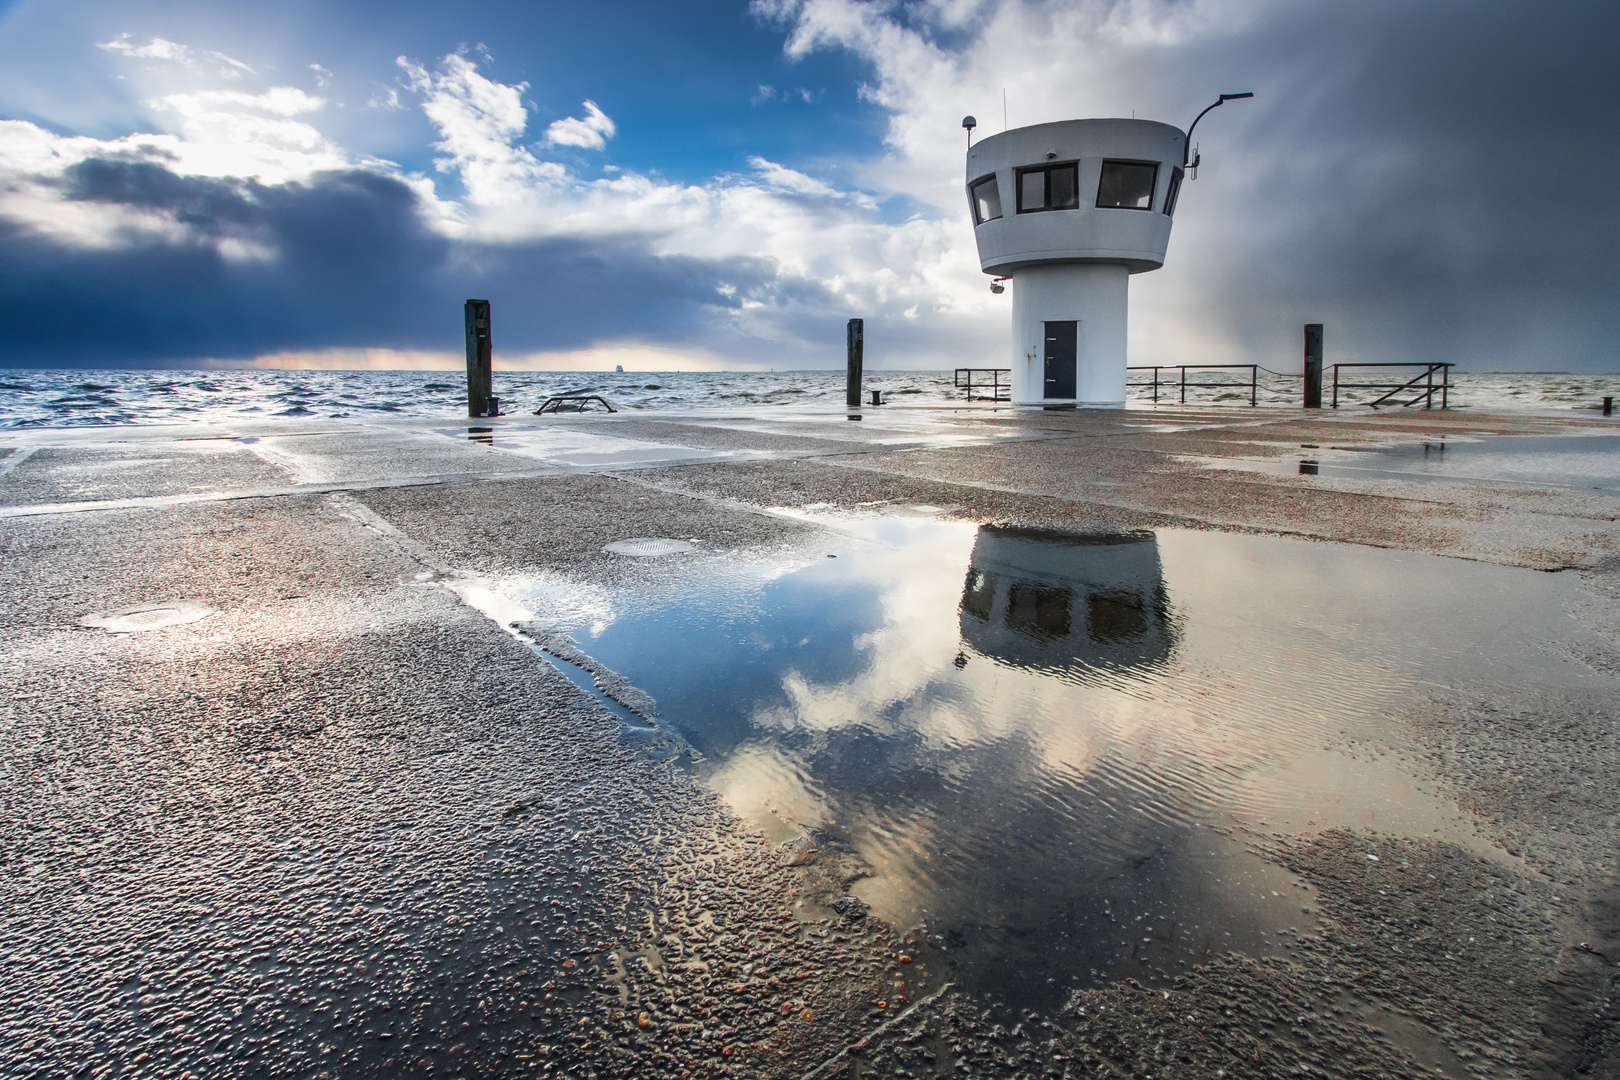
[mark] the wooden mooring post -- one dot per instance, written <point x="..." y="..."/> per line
<point x="480" y="390"/>
<point x="857" y="348"/>
<point x="1313" y="365"/>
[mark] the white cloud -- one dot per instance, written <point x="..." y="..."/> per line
<point x="232" y="68"/>
<point x="221" y="134"/>
<point x="479" y="122"/>
<point x="174" y="52"/>
<point x="778" y="176"/>
<point x="323" y="77"/>
<point x="231" y="133"/>
<point x="767" y="92"/>
<point x="1054" y="60"/>
<point x="277" y="101"/>
<point x="32" y="160"/>
<point x="591" y="133"/>
<point x="806" y="241"/>
<point x="156" y="49"/>
<point x="386" y="97"/>
<point x="829" y="245"/>
<point x="1307" y="193"/>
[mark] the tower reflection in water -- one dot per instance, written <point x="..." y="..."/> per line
<point x="1066" y="603"/>
<point x="1033" y="745"/>
<point x="987" y="799"/>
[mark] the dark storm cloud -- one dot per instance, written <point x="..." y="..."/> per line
<point x="1434" y="180"/>
<point x="342" y="260"/>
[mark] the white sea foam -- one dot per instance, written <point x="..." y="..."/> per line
<point x="51" y="398"/>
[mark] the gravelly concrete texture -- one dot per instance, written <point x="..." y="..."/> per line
<point x="348" y="825"/>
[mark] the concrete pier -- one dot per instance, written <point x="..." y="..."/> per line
<point x="352" y="823"/>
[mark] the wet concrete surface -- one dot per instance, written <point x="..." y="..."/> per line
<point x="83" y="474"/>
<point x="351" y="825"/>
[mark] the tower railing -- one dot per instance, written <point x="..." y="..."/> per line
<point x="971" y="379"/>
<point x="1155" y="383"/>
<point x="1422" y="383"/>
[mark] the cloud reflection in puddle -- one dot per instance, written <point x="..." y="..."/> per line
<point x="1007" y="727"/>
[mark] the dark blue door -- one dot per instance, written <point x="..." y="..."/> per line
<point x="1061" y="356"/>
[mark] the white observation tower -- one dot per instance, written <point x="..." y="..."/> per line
<point x="1068" y="211"/>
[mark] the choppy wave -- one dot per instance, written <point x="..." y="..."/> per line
<point x="50" y="398"/>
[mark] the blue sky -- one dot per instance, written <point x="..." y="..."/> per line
<point x="722" y="185"/>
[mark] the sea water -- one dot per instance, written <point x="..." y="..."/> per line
<point x="56" y="398"/>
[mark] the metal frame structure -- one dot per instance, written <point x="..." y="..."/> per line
<point x="1425" y="392"/>
<point x="1155" y="383"/>
<point x="578" y="401"/>
<point x="999" y="390"/>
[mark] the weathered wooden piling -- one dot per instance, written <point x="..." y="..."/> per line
<point x="480" y="390"/>
<point x="1313" y="365"/>
<point x="857" y="349"/>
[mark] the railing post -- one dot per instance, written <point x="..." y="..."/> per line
<point x="1184" y="384"/>
<point x="1335" y="386"/>
<point x="1254" y="383"/>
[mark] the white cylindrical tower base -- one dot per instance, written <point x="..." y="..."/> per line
<point x="1053" y="302"/>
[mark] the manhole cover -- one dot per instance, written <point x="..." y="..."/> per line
<point x="647" y="547"/>
<point x="133" y="620"/>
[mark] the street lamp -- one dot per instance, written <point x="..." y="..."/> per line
<point x="1186" y="146"/>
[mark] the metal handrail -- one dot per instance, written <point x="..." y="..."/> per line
<point x="578" y="401"/>
<point x="1425" y="393"/>
<point x="996" y="386"/>
<point x="1253" y="369"/>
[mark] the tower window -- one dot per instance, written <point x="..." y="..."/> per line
<point x="986" y="200"/>
<point x="1127" y="185"/>
<point x="1048" y="187"/>
<point x="1173" y="194"/>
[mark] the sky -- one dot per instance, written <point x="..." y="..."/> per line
<point x="721" y="185"/>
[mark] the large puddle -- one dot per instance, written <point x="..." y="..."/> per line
<point x="1589" y="463"/>
<point x="1049" y="752"/>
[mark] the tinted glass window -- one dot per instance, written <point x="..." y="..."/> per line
<point x="1061" y="184"/>
<point x="979" y="594"/>
<point x="1117" y="616"/>
<point x="1037" y="612"/>
<point x="1127" y="185"/>
<point x="1032" y="190"/>
<point x="1170" y="197"/>
<point x="1052" y="187"/>
<point x="986" y="200"/>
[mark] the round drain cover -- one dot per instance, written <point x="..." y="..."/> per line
<point x="133" y="620"/>
<point x="647" y="547"/>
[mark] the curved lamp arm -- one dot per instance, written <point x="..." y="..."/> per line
<point x="1186" y="144"/>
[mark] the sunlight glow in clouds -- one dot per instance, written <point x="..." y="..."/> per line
<point x="258" y="192"/>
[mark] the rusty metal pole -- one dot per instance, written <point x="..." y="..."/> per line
<point x="479" y="374"/>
